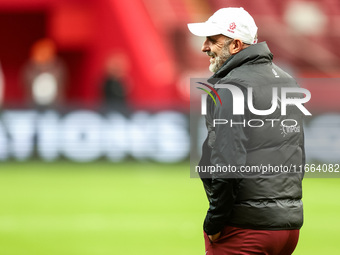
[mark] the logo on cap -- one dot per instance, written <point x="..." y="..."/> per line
<point x="232" y="27"/>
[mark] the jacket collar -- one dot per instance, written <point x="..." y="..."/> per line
<point x="254" y="54"/>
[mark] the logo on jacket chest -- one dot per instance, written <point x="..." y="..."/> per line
<point x="286" y="130"/>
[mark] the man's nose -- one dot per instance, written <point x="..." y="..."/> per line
<point x="205" y="46"/>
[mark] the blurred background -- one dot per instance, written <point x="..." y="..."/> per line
<point x="94" y="121"/>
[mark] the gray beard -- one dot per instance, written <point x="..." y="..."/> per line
<point x="219" y="61"/>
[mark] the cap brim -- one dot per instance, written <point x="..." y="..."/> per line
<point x="203" y="29"/>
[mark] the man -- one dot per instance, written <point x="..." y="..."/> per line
<point x="44" y="75"/>
<point x="249" y="213"/>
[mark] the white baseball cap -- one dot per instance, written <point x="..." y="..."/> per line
<point x="235" y="23"/>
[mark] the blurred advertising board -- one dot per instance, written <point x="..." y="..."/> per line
<point x="85" y="136"/>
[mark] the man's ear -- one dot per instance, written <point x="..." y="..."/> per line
<point x="236" y="46"/>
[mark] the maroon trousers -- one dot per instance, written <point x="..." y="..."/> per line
<point x="248" y="241"/>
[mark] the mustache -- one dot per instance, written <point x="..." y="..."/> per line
<point x="211" y="54"/>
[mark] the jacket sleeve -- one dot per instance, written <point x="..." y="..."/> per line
<point x="229" y="149"/>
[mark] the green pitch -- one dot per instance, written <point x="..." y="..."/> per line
<point x="131" y="208"/>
